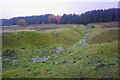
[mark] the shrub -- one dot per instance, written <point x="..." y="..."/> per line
<point x="22" y="22"/>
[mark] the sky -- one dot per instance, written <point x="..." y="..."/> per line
<point x="15" y="8"/>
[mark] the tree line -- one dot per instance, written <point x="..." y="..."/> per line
<point x="93" y="16"/>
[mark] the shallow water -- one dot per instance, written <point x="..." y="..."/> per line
<point x="82" y="41"/>
<point x="59" y="49"/>
<point x="40" y="59"/>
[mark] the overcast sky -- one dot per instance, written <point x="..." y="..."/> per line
<point x="15" y="8"/>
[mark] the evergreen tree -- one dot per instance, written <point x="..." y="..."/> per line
<point x="85" y="18"/>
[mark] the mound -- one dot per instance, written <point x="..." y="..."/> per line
<point x="106" y="36"/>
<point x="56" y="37"/>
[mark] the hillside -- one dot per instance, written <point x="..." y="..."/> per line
<point x="70" y="51"/>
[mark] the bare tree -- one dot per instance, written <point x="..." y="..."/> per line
<point x="53" y="17"/>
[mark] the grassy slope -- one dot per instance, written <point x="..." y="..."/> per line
<point x="96" y="61"/>
<point x="64" y="37"/>
<point x="100" y="60"/>
<point x="102" y="34"/>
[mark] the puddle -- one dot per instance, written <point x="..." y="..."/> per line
<point x="59" y="49"/>
<point x="40" y="59"/>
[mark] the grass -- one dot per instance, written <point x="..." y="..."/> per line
<point x="98" y="60"/>
<point x="105" y="25"/>
<point x="103" y="34"/>
<point x="88" y="66"/>
<point x="64" y="37"/>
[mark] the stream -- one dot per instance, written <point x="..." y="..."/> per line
<point x="81" y="44"/>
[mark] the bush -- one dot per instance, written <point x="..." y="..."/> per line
<point x="22" y="22"/>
